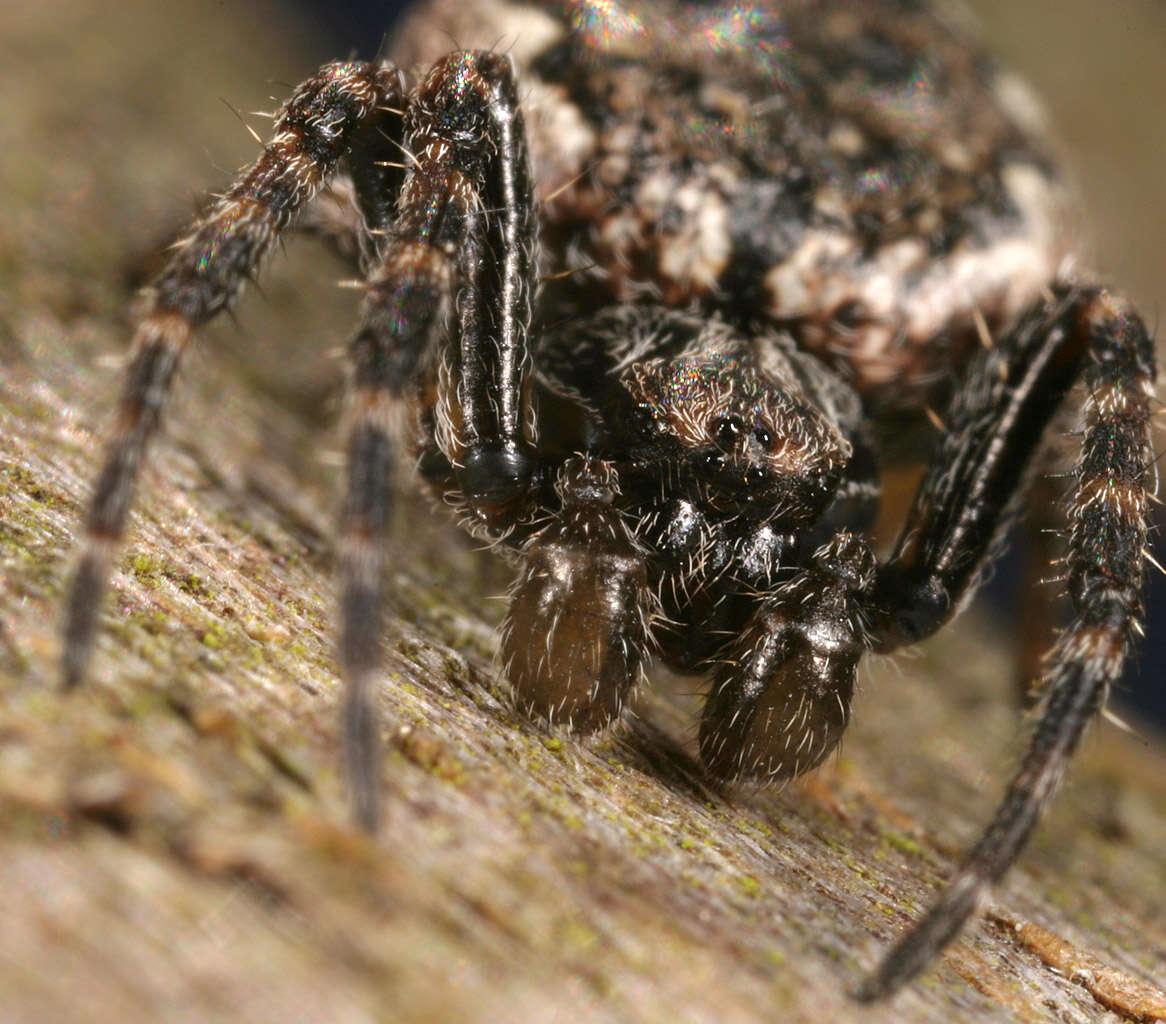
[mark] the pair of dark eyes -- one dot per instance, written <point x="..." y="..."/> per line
<point x="714" y="462"/>
<point x="728" y="429"/>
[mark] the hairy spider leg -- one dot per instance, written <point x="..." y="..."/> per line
<point x="204" y="275"/>
<point x="781" y="693"/>
<point x="483" y="427"/>
<point x="577" y="630"/>
<point x="353" y="210"/>
<point x="463" y="212"/>
<point x="963" y="506"/>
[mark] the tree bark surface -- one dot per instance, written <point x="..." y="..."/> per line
<point x="174" y="842"/>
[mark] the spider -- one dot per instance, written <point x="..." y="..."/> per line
<point x="652" y="293"/>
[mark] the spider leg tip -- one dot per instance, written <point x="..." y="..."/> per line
<point x="72" y="673"/>
<point x="869" y="990"/>
<point x="366" y="813"/>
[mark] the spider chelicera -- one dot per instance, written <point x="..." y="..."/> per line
<point x="651" y="295"/>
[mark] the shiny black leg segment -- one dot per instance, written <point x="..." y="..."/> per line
<point x="966" y="501"/>
<point x="1106" y="344"/>
<point x="376" y="165"/>
<point x="494" y="464"/>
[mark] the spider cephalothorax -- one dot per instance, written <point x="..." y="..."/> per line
<point x="772" y="241"/>
<point x="751" y="442"/>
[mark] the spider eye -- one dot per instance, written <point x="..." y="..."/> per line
<point x="644" y="423"/>
<point x="727" y="429"/>
<point x="763" y="435"/>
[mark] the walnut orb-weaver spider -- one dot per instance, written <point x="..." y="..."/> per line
<point x="651" y="294"/>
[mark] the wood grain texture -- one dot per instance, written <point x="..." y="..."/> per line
<point x="173" y="838"/>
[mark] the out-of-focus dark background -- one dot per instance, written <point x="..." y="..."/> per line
<point x="1096" y="65"/>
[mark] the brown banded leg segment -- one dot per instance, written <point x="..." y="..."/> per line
<point x="402" y="310"/>
<point x="1108" y="513"/>
<point x="203" y="276"/>
<point x="461" y="220"/>
<point x="780" y="700"/>
<point x="578" y="628"/>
